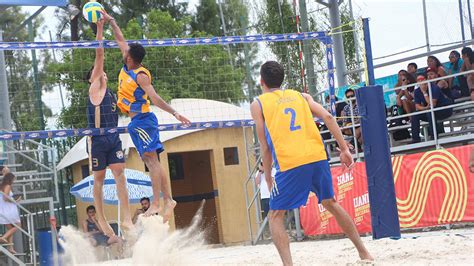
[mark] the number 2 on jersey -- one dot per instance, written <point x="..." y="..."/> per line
<point x="293" y="117"/>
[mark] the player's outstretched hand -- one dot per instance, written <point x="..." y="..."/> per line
<point x="182" y="119"/>
<point x="346" y="160"/>
<point x="100" y="23"/>
<point x="106" y="15"/>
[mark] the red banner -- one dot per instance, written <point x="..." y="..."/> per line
<point x="432" y="188"/>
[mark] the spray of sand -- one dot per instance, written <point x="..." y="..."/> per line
<point x="155" y="245"/>
<point x="158" y="246"/>
<point x="77" y="248"/>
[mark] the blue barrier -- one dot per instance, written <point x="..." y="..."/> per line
<point x="45" y="246"/>
<point x="383" y="203"/>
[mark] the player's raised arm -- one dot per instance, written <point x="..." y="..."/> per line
<point x="145" y="83"/>
<point x="329" y="120"/>
<point x="257" y="116"/>
<point x="122" y="43"/>
<point x="98" y="69"/>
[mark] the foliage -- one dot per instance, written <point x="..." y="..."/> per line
<point x="25" y="109"/>
<point x="207" y="21"/>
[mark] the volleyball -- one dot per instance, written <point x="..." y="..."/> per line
<point x="91" y="11"/>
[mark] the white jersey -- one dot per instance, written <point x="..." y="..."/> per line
<point x="264" y="192"/>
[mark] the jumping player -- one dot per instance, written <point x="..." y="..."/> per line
<point x="289" y="137"/>
<point x="105" y="150"/>
<point x="134" y="89"/>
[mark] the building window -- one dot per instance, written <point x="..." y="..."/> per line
<point x="85" y="171"/>
<point x="175" y="163"/>
<point x="231" y="156"/>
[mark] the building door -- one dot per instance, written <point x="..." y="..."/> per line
<point x="191" y="182"/>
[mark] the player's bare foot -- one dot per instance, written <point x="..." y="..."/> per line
<point x="154" y="209"/>
<point x="366" y="256"/>
<point x="106" y="228"/>
<point x="168" y="211"/>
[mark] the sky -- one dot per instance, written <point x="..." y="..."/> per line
<point x="395" y="26"/>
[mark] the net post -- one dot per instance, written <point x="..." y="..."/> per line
<point x="368" y="53"/>
<point x="330" y="63"/>
<point x="378" y="164"/>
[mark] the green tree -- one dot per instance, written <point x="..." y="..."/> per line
<point x="207" y="20"/>
<point x="178" y="72"/>
<point x="23" y="103"/>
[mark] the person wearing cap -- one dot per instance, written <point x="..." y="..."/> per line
<point x="423" y="103"/>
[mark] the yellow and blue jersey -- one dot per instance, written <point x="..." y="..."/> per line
<point x="290" y="130"/>
<point x="131" y="97"/>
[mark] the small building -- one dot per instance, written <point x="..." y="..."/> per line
<point x="210" y="164"/>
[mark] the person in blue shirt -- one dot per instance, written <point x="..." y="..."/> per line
<point x="422" y="103"/>
<point x="457" y="84"/>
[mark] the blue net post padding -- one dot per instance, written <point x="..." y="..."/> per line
<point x="383" y="203"/>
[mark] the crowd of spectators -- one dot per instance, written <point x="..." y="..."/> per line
<point x="419" y="90"/>
<point x="433" y="93"/>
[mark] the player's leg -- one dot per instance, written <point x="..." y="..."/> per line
<point x="279" y="236"/>
<point x="322" y="185"/>
<point x="151" y="161"/>
<point x="122" y="193"/>
<point x="160" y="183"/>
<point x="99" y="177"/>
<point x="116" y="163"/>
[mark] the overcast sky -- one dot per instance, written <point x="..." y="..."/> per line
<point x="395" y="26"/>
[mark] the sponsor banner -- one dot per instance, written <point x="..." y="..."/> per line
<point x="432" y="188"/>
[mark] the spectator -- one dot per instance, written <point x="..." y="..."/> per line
<point x="9" y="215"/>
<point x="442" y="84"/>
<point x="339" y="107"/>
<point x="468" y="57"/>
<point x="145" y="202"/>
<point x="405" y="96"/>
<point x="412" y="68"/>
<point x="434" y="63"/>
<point x="347" y="114"/>
<point x="264" y="192"/>
<point x="91" y="227"/>
<point x="422" y="103"/>
<point x="457" y="84"/>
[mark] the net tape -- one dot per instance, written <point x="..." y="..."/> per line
<point x="226" y="40"/>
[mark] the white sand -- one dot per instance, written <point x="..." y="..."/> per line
<point x="453" y="247"/>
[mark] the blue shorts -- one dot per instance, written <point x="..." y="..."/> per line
<point x="143" y="130"/>
<point x="106" y="150"/>
<point x="293" y="186"/>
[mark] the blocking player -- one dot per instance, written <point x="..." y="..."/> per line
<point x="105" y="150"/>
